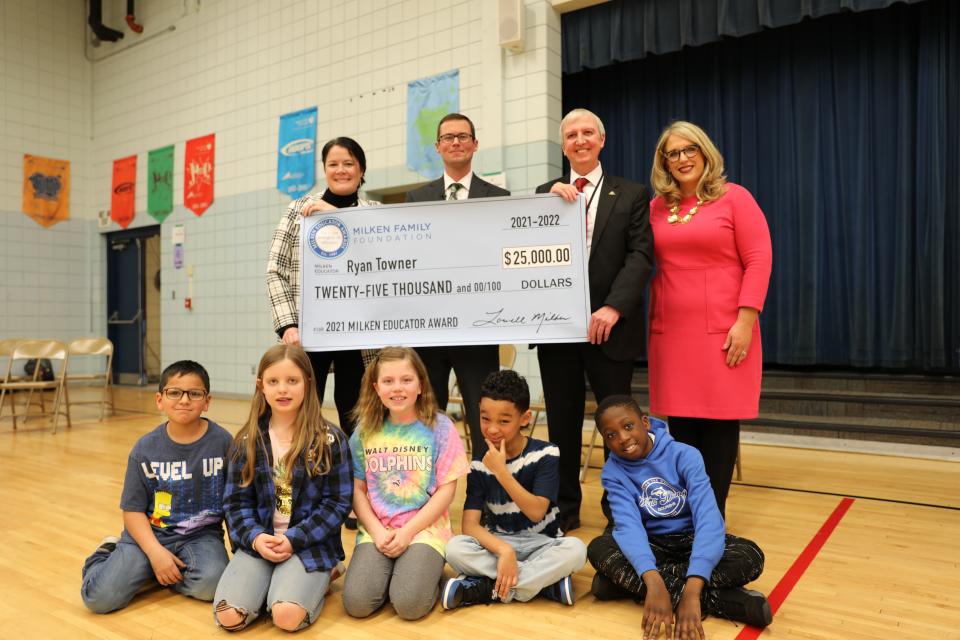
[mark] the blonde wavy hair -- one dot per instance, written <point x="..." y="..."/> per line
<point x="370" y="411"/>
<point x="312" y="435"/>
<point x="712" y="182"/>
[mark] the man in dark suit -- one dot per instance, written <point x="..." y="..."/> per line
<point x="456" y="144"/>
<point x="620" y="249"/>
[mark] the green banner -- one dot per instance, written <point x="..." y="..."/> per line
<point x="160" y="183"/>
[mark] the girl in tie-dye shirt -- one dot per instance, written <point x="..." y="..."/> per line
<point x="406" y="460"/>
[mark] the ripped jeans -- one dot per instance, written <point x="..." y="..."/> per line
<point x="248" y="583"/>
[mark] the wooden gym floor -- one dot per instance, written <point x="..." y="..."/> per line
<point x="885" y="564"/>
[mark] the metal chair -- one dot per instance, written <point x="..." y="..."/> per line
<point x="536" y="408"/>
<point x="6" y="350"/>
<point x="589" y="407"/>
<point x="53" y="350"/>
<point x="98" y="348"/>
<point x="508" y="357"/>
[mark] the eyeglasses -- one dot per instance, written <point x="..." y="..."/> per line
<point x="690" y="151"/>
<point x="448" y="138"/>
<point x="172" y="393"/>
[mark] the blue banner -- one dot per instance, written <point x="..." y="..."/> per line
<point x="296" y="159"/>
<point x="428" y="100"/>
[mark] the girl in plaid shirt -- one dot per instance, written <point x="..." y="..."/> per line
<point x="288" y="490"/>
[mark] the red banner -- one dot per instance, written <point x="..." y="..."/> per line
<point x="124" y="182"/>
<point x="198" y="174"/>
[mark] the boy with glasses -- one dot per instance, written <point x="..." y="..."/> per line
<point x="172" y="503"/>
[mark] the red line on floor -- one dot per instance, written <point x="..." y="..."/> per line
<point x="799" y="566"/>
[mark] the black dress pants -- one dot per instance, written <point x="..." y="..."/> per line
<point x="348" y="372"/>
<point x="562" y="369"/>
<point x="472" y="365"/>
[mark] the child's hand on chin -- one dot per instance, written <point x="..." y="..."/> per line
<point x="495" y="459"/>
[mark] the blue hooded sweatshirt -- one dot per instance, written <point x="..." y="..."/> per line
<point x="666" y="492"/>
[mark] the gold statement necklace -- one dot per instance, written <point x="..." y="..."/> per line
<point x="675" y="218"/>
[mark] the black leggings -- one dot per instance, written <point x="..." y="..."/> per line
<point x="718" y="442"/>
<point x="742" y="562"/>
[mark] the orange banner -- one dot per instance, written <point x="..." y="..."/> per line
<point x="46" y="189"/>
<point x="198" y="174"/>
<point x="124" y="184"/>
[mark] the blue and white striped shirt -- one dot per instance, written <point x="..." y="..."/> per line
<point x="536" y="469"/>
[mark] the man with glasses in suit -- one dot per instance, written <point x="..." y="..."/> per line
<point x="456" y="144"/>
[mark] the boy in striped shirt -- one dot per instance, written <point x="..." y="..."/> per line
<point x="512" y="547"/>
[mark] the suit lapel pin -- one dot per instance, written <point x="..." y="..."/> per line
<point x="612" y="193"/>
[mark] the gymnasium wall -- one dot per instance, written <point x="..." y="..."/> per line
<point x="50" y="285"/>
<point x="232" y="68"/>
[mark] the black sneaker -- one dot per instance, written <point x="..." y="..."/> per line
<point x="603" y="588"/>
<point x="466" y="590"/>
<point x="108" y="544"/>
<point x="560" y="591"/>
<point x="743" y="605"/>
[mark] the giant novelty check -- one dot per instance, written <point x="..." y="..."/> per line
<point x="482" y="271"/>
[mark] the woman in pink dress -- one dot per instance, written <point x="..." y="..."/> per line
<point x="713" y="257"/>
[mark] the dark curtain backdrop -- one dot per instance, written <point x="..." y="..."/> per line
<point x="625" y="30"/>
<point x="847" y="131"/>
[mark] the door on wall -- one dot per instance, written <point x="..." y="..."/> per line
<point x="127" y="282"/>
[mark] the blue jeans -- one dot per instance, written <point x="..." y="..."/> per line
<point x="250" y="582"/>
<point x="110" y="580"/>
<point x="541" y="560"/>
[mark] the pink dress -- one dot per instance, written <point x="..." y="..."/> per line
<point x="706" y="270"/>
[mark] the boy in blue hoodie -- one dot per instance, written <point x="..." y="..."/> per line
<point x="668" y="547"/>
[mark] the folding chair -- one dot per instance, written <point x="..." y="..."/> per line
<point x="536" y="408"/>
<point x="508" y="357"/>
<point x="36" y="350"/>
<point x="589" y="407"/>
<point x="6" y="350"/>
<point x="95" y="347"/>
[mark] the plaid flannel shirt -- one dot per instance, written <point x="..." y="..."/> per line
<point x="320" y="503"/>
<point x="283" y="264"/>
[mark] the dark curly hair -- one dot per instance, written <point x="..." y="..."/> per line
<point x="507" y="385"/>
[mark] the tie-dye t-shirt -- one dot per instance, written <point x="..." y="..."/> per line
<point x="403" y="465"/>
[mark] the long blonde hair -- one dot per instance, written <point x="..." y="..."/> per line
<point x="311" y="433"/>
<point x="712" y="183"/>
<point x="370" y="411"/>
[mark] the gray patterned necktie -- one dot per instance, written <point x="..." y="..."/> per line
<point x="452" y="190"/>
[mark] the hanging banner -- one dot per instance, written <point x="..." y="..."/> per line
<point x="124" y="182"/>
<point x="428" y="100"/>
<point x="46" y="189"/>
<point x="160" y="183"/>
<point x="198" y="164"/>
<point x="297" y="156"/>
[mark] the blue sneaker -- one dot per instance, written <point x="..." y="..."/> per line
<point x="560" y="591"/>
<point x="466" y="590"/>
